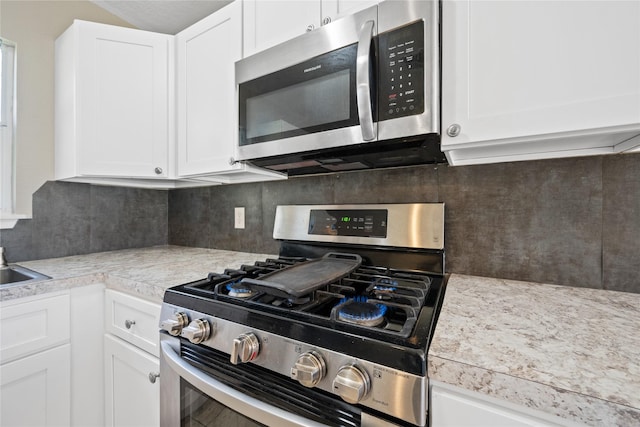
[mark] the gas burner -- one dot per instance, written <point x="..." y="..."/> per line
<point x="238" y="291"/>
<point x="382" y="288"/>
<point x="360" y="311"/>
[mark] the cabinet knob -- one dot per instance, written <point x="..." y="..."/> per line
<point x="153" y="376"/>
<point x="158" y="171"/>
<point x="129" y="323"/>
<point x="454" y="130"/>
<point x="326" y="20"/>
<point x="310" y="27"/>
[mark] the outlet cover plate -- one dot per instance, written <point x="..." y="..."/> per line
<point x="239" y="217"/>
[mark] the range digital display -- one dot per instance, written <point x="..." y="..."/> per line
<point x="353" y="222"/>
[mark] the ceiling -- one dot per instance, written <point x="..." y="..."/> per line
<point x="161" y="16"/>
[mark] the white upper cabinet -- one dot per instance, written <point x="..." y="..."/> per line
<point x="112" y="102"/>
<point x="207" y="115"/>
<point x="268" y="23"/>
<point x="539" y="79"/>
<point x="336" y="9"/>
<point x="206" y="53"/>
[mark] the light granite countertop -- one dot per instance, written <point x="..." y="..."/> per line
<point x="145" y="272"/>
<point x="571" y="352"/>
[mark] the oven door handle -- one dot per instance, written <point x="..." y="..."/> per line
<point x="229" y="397"/>
<point x="363" y="83"/>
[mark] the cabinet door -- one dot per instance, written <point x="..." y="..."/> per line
<point x="29" y="325"/>
<point x="35" y="390"/>
<point x="207" y="113"/>
<point x="131" y="399"/>
<point x="529" y="69"/>
<point x="123" y="101"/>
<point x="336" y="9"/>
<point x="133" y="319"/>
<point x="455" y="407"/>
<point x="268" y="23"/>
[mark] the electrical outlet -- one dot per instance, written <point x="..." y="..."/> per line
<point x="239" y="217"/>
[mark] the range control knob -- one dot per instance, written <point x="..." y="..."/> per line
<point x="351" y="384"/>
<point x="309" y="369"/>
<point x="175" y="323"/>
<point x="245" y="348"/>
<point x="197" y="331"/>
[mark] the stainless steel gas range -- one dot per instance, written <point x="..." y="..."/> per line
<point x="335" y="331"/>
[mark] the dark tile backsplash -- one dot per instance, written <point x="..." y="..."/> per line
<point x="538" y="221"/>
<point x="75" y="219"/>
<point x="567" y="221"/>
<point x="621" y="223"/>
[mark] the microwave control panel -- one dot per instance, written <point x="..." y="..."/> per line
<point x="401" y="72"/>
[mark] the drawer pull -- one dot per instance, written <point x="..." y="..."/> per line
<point x="129" y="323"/>
<point x="153" y="376"/>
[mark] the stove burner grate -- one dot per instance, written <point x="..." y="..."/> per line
<point x="389" y="300"/>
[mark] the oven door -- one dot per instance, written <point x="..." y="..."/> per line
<point x="191" y="396"/>
<point x="310" y="93"/>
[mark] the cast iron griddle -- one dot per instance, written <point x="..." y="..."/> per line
<point x="302" y="279"/>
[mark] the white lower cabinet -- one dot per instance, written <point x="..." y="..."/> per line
<point x="87" y="331"/>
<point x="83" y="357"/>
<point x="456" y="407"/>
<point x="35" y="363"/>
<point x="35" y="390"/>
<point x="132" y="388"/>
<point x="131" y="364"/>
<point x="133" y="319"/>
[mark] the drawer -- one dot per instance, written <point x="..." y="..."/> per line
<point x="133" y="319"/>
<point x="33" y="324"/>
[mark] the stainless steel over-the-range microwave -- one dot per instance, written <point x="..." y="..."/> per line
<point x="360" y="92"/>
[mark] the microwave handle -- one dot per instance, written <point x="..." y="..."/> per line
<point x="363" y="84"/>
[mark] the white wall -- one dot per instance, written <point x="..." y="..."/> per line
<point x="34" y="26"/>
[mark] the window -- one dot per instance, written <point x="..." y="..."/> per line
<point x="7" y="126"/>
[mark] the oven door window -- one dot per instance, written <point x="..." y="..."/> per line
<point x="314" y="96"/>
<point x="197" y="410"/>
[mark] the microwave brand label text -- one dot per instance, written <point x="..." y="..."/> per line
<point x="315" y="67"/>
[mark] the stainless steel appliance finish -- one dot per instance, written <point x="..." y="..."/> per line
<point x="237" y="349"/>
<point x="412" y="225"/>
<point x="281" y="355"/>
<point x="327" y="99"/>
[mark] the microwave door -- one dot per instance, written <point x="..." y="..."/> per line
<point x="302" y="96"/>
